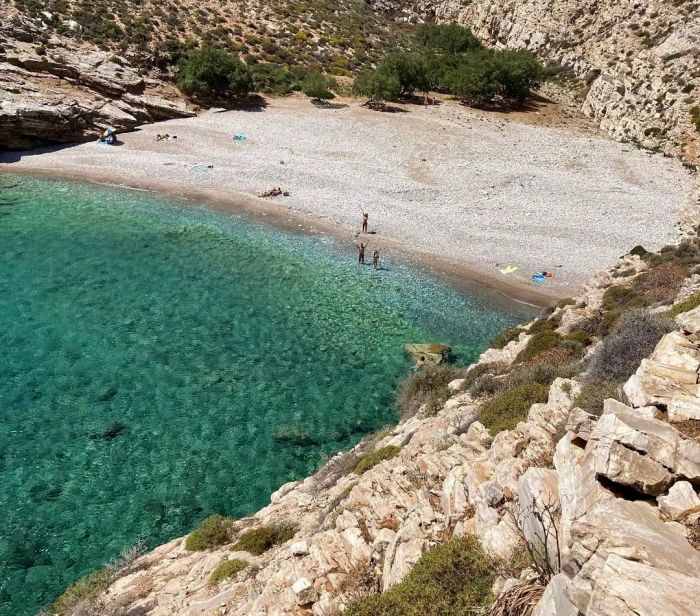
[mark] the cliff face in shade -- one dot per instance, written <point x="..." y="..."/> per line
<point x="640" y="60"/>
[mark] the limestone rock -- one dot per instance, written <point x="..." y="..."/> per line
<point x="299" y="548"/>
<point x="434" y="353"/>
<point x="683" y="407"/>
<point x="538" y="511"/>
<point x="690" y="321"/>
<point x="554" y="601"/>
<point x="456" y="385"/>
<point x="628" y="588"/>
<point x="645" y="454"/>
<point x="304" y="592"/>
<point x="681" y="502"/>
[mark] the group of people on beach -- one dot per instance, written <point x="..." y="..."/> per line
<point x="362" y="245"/>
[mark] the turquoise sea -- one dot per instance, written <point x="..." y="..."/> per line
<point x="153" y="355"/>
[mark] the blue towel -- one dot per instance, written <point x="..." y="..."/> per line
<point x="239" y="137"/>
<point x="539" y="278"/>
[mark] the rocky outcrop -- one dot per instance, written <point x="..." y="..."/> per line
<point x="63" y="92"/>
<point x="605" y="505"/>
<point x="639" y="61"/>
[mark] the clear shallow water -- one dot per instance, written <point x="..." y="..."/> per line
<point x="151" y="352"/>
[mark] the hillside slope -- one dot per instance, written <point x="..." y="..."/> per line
<point x="640" y="60"/>
<point x="68" y="68"/>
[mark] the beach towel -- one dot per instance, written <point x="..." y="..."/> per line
<point x="201" y="167"/>
<point x="239" y="137"/>
<point x="538" y="278"/>
<point x="509" y="269"/>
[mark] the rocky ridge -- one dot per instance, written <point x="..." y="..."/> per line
<point x="639" y="60"/>
<point x="610" y="503"/>
<point x="66" y="92"/>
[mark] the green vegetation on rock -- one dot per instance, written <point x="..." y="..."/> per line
<point x="226" y="570"/>
<point x="510" y="407"/>
<point x="85" y="590"/>
<point x="214" y="531"/>
<point x="452" y="579"/>
<point x="688" y="304"/>
<point x="261" y="539"/>
<point x="371" y="460"/>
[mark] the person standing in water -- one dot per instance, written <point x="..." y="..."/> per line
<point x="365" y="218"/>
<point x="361" y="252"/>
<point x="375" y="258"/>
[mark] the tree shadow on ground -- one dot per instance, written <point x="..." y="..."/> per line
<point x="251" y="102"/>
<point x="321" y="104"/>
<point x="533" y="103"/>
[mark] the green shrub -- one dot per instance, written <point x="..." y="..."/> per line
<point x="510" y="407"/>
<point x="541" y="325"/>
<point x="567" y="301"/>
<point x="540" y="342"/>
<point x="259" y="540"/>
<point x="452" y="579"/>
<point x="426" y="386"/>
<point x="695" y="117"/>
<point x="543" y="373"/>
<point x="372" y="459"/>
<point x="85" y="589"/>
<point x="212" y="72"/>
<point x="273" y="79"/>
<point x="686" y="305"/>
<point x="318" y="86"/>
<point x="378" y="85"/>
<point x="580" y="336"/>
<point x="214" y="531"/>
<point x="594" y="393"/>
<point x="506" y="336"/>
<point x="226" y="570"/>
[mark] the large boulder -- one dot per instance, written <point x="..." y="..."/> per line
<point x="644" y="454"/>
<point x="555" y="601"/>
<point x="434" y="353"/>
<point x="628" y="588"/>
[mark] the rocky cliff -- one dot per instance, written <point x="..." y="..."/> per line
<point x="595" y="512"/>
<point x="63" y="91"/>
<point x="640" y="61"/>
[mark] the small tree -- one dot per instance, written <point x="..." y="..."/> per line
<point x="474" y="78"/>
<point x="378" y="85"/>
<point x="447" y="38"/>
<point x="318" y="86"/>
<point x="210" y="72"/>
<point x="517" y="73"/>
<point x="409" y="69"/>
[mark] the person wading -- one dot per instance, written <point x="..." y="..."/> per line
<point x="361" y="251"/>
<point x="375" y="258"/>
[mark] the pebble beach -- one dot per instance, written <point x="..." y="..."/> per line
<point x="462" y="191"/>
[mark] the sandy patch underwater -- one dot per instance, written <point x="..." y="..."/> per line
<point x="154" y="355"/>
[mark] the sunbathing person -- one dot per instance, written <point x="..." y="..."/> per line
<point x="272" y="192"/>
